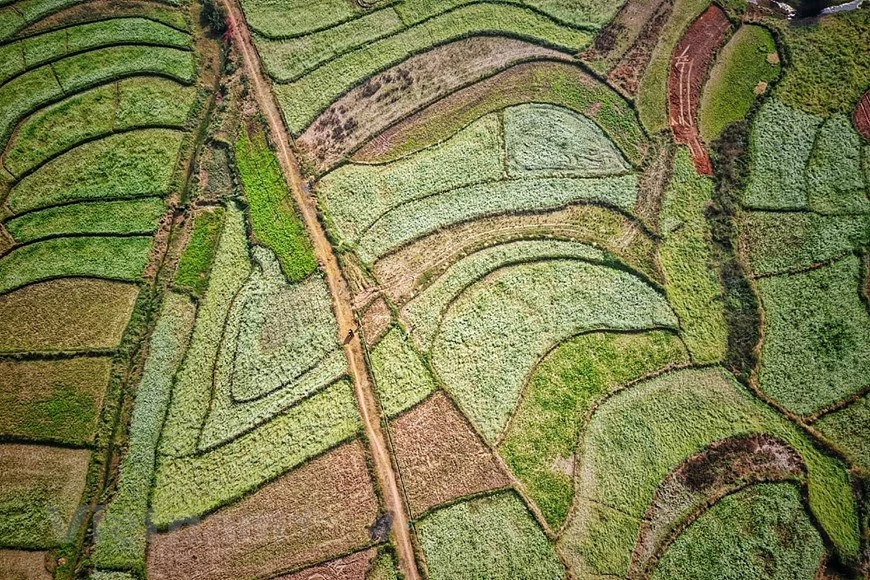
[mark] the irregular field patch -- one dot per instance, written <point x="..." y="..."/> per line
<point x="327" y="506"/>
<point x="194" y="266"/>
<point x="849" y="428"/>
<point x="25" y="565"/>
<point x="57" y="400"/>
<point x="353" y="567"/>
<point x="402" y="379"/>
<point x="861" y="116"/>
<point x="40" y="488"/>
<point x="630" y="69"/>
<point x="440" y="456"/>
<point x="66" y="314"/>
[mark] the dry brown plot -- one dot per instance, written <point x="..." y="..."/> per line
<point x="628" y="72"/>
<point x="41" y="487"/>
<point x="319" y="510"/>
<point x="862" y="116"/>
<point x="395" y="93"/>
<point x="625" y="30"/>
<point x="402" y="272"/>
<point x="58" y="400"/>
<point x="376" y="320"/>
<point x="440" y="456"/>
<point x="67" y="314"/>
<point x="21" y="565"/>
<point x="353" y="567"/>
<point x="690" y="64"/>
<point x="703" y="479"/>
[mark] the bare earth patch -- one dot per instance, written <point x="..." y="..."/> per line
<point x="404" y="272"/>
<point x="395" y="93"/>
<point x="625" y="31"/>
<point x="701" y="480"/>
<point x="628" y="72"/>
<point x="440" y="456"/>
<point x="690" y="64"/>
<point x="862" y="116"/>
<point x="66" y="314"/>
<point x="22" y="565"/>
<point x="319" y="510"/>
<point x="376" y="320"/>
<point x="353" y="567"/>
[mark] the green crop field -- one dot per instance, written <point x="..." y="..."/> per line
<point x="418" y="289"/>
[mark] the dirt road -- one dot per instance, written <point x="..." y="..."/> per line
<point x="341" y="296"/>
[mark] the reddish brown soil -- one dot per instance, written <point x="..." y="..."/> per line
<point x="395" y="93"/>
<point x="308" y="515"/>
<point x="376" y="320"/>
<point x="353" y="567"/>
<point x="21" y="565"/>
<point x="440" y="456"/>
<point x="862" y="116"/>
<point x="66" y="314"/>
<point x="690" y="64"/>
<point x="403" y="272"/>
<point x="628" y="72"/>
<point x="701" y="480"/>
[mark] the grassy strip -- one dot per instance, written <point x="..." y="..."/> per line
<point x="779" y="145"/>
<point x="135" y="164"/>
<point x="744" y="63"/>
<point x="96" y="217"/>
<point x="274" y="218"/>
<point x="402" y="379"/>
<point x="779" y="242"/>
<point x="835" y="180"/>
<point x="187" y="487"/>
<point x="497" y="537"/>
<point x="652" y="95"/>
<point x="543" y="433"/>
<point x="304" y="99"/>
<point x="641" y="434"/>
<point x="686" y="255"/>
<point x="491" y="336"/>
<point x="57" y="44"/>
<point x="114" y="258"/>
<point x="296" y="17"/>
<point x="744" y="536"/>
<point x="53" y="400"/>
<point x="121" y="533"/>
<point x="423" y="313"/>
<point x="195" y="263"/>
<point x="816" y="348"/>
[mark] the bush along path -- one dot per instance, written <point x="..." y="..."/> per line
<point x="341" y="296"/>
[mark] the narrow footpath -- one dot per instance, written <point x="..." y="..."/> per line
<point x="341" y="296"/>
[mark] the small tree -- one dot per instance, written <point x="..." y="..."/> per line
<point x="214" y="17"/>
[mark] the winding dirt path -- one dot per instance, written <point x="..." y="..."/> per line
<point x="341" y="295"/>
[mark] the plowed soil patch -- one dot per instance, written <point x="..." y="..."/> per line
<point x="376" y="321"/>
<point x="353" y="567"/>
<point x="862" y="116"/>
<point x="403" y="272"/>
<point x="440" y="456"/>
<point x="690" y="64"/>
<point x="703" y="479"/>
<point x="21" y="565"/>
<point x="393" y="94"/>
<point x="321" y="509"/>
<point x="626" y="30"/>
<point x="628" y="72"/>
<point x="66" y="314"/>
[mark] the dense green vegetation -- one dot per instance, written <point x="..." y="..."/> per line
<point x="194" y="266"/>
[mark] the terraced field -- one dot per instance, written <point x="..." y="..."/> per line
<point x="408" y="289"/>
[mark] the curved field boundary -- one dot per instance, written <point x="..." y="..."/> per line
<point x="100" y="10"/>
<point x="392" y="95"/>
<point x="304" y="99"/>
<point x="130" y="31"/>
<point x="548" y="82"/>
<point x="861" y="116"/>
<point x="402" y="273"/>
<point x="691" y="62"/>
<point x="723" y="468"/>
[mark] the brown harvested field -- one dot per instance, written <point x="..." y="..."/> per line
<point x="440" y="456"/>
<point x="58" y="400"/>
<point x="395" y="93"/>
<point x="74" y="314"/>
<point x="622" y="33"/>
<point x="353" y="567"/>
<point x="703" y="479"/>
<point x="403" y="272"/>
<point x="376" y="320"/>
<point x="690" y="64"/>
<point x="326" y="508"/>
<point x="523" y="83"/>
<point x="630" y="68"/>
<point x="41" y="487"/>
<point x="23" y="565"/>
<point x="6" y="240"/>
<point x="862" y="116"/>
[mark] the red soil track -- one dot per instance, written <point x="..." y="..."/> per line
<point x="690" y="64"/>
<point x="862" y="116"/>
